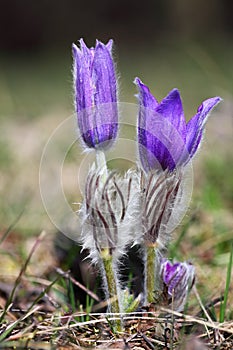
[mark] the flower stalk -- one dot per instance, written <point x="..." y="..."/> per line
<point x="150" y="273"/>
<point x="101" y="164"/>
<point x="159" y="192"/>
<point x="112" y="281"/>
<point x="105" y="253"/>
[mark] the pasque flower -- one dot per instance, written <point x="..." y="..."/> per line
<point x="165" y="139"/>
<point x="95" y="90"/>
<point x="178" y="279"/>
<point x="166" y="144"/>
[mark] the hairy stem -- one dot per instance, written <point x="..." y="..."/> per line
<point x="101" y="164"/>
<point x="150" y="274"/>
<point x="111" y="280"/>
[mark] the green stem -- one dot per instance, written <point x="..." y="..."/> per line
<point x="111" y="284"/>
<point x="150" y="273"/>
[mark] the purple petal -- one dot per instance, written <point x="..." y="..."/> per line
<point x="103" y="75"/>
<point x="160" y="143"/>
<point x="104" y="80"/>
<point x="83" y="89"/>
<point x="195" y="127"/>
<point x="88" y="54"/>
<point x="177" y="277"/>
<point x="154" y="150"/>
<point x="172" y="109"/>
<point x="82" y="80"/>
<point x="146" y="99"/>
<point x="149" y="145"/>
<point x="109" y="45"/>
<point x="100" y="136"/>
<point x="169" y="271"/>
<point x="167" y="267"/>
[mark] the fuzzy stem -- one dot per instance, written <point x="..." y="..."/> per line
<point x="106" y="256"/>
<point x="107" y="260"/>
<point x="150" y="273"/>
<point x="101" y="164"/>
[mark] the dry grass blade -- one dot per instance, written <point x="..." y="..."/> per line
<point x="201" y="304"/>
<point x="78" y="284"/>
<point x="15" y="324"/>
<point x="9" y="229"/>
<point x="213" y="325"/>
<point x="22" y="271"/>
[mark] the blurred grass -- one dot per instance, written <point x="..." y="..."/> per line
<point x="32" y="84"/>
<point x="218" y="187"/>
<point x="199" y="71"/>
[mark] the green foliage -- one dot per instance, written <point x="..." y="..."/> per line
<point x="227" y="287"/>
<point x="218" y="187"/>
<point x="6" y="156"/>
<point x="33" y="85"/>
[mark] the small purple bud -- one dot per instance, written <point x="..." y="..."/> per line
<point x="178" y="279"/>
<point x="95" y="90"/>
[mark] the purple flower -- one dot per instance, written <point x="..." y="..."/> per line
<point x="95" y="91"/>
<point x="178" y="279"/>
<point x="165" y="139"/>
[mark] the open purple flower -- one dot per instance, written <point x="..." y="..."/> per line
<point x="165" y="139"/>
<point x="178" y="279"/>
<point x="95" y="91"/>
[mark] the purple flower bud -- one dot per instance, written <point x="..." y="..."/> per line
<point x="95" y="91"/>
<point x="164" y="138"/>
<point x="178" y="279"/>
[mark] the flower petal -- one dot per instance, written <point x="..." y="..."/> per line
<point x="105" y="94"/>
<point x="195" y="127"/>
<point x="145" y="97"/>
<point x="82" y="80"/>
<point x="161" y="144"/>
<point x="149" y="146"/>
<point x="154" y="147"/>
<point x="97" y="136"/>
<point x="172" y="109"/>
<point x="88" y="54"/>
<point x="109" y="45"/>
<point x="103" y="75"/>
<point x="169" y="270"/>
